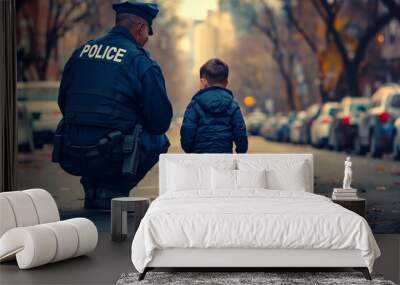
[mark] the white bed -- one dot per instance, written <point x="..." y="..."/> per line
<point x="248" y="227"/>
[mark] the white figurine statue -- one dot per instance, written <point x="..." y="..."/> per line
<point x="347" y="174"/>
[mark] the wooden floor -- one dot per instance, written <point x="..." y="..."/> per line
<point x="106" y="264"/>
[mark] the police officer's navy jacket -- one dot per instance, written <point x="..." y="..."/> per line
<point x="111" y="83"/>
<point x="212" y="122"/>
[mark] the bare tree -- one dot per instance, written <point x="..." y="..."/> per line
<point x="351" y="61"/>
<point x="266" y="22"/>
<point x="60" y="17"/>
<point x="310" y="39"/>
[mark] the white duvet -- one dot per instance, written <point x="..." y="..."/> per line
<point x="250" y="219"/>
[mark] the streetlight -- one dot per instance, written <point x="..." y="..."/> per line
<point x="249" y="101"/>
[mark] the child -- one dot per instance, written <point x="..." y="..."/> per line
<point x="213" y="120"/>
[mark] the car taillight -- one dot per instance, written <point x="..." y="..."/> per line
<point x="346" y="121"/>
<point x="384" y="117"/>
<point x="56" y="113"/>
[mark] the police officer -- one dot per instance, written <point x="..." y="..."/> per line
<point x="115" y="109"/>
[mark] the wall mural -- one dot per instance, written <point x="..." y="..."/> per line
<point x="305" y="84"/>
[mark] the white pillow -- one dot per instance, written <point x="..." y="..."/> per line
<point x="251" y="178"/>
<point x="223" y="179"/>
<point x="194" y="174"/>
<point x="290" y="175"/>
<point x="295" y="180"/>
<point x="226" y="179"/>
<point x="183" y="177"/>
<point x="223" y="163"/>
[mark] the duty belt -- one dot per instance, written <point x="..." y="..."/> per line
<point x="80" y="151"/>
<point x="115" y="143"/>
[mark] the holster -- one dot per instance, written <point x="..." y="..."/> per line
<point x="131" y="151"/>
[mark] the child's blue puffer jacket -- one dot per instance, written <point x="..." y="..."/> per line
<point x="212" y="122"/>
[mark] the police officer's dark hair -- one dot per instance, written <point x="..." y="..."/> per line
<point x="215" y="71"/>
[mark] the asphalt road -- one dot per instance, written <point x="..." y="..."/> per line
<point x="378" y="180"/>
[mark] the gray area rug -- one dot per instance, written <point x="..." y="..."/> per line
<point x="231" y="278"/>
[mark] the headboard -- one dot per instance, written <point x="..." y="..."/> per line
<point x="166" y="158"/>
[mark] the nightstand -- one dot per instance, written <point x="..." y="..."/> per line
<point x="119" y="211"/>
<point x="357" y="205"/>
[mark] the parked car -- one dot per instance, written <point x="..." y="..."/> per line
<point x="254" y="121"/>
<point x="320" y="126"/>
<point x="24" y="129"/>
<point x="343" y="129"/>
<point x="282" y="125"/>
<point x="376" y="126"/>
<point x="312" y="113"/>
<point x="295" y="130"/>
<point x="268" y="128"/>
<point x="40" y="99"/>
<point x="396" y="140"/>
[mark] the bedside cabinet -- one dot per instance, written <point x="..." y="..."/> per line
<point x="357" y="205"/>
<point x="119" y="215"/>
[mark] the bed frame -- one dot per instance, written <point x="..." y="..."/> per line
<point x="243" y="259"/>
<point x="246" y="258"/>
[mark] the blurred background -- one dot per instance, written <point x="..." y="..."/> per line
<point x="313" y="76"/>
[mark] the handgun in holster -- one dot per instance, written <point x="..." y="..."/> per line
<point x="131" y="151"/>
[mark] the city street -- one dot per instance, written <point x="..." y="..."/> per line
<point x="377" y="180"/>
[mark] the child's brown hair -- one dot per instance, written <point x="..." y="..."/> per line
<point x="215" y="71"/>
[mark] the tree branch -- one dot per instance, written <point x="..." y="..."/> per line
<point x="330" y="23"/>
<point x="312" y="45"/>
<point x="369" y="35"/>
<point x="393" y="8"/>
<point x="317" y="8"/>
<point x="57" y="16"/>
<point x="69" y="26"/>
<point x="49" y="15"/>
<point x="67" y="14"/>
<point x="336" y="7"/>
<point x="265" y="30"/>
<point x="272" y="33"/>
